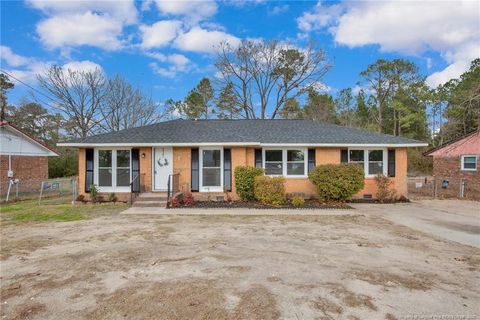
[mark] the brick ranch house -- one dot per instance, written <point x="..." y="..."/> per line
<point x="457" y="160"/>
<point x="22" y="157"/>
<point x="203" y="154"/>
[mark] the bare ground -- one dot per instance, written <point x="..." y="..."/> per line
<point x="227" y="267"/>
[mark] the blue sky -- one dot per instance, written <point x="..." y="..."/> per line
<point x="166" y="47"/>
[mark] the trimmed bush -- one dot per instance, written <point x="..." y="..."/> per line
<point x="298" y="201"/>
<point x="337" y="182"/>
<point x="270" y="190"/>
<point x="385" y="192"/>
<point x="245" y="181"/>
<point x="188" y="199"/>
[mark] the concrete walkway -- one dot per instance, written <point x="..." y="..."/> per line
<point x="238" y="211"/>
<point x="455" y="220"/>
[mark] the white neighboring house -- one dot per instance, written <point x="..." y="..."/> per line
<point x="22" y="157"/>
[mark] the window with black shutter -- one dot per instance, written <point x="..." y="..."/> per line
<point x="136" y="170"/>
<point x="344" y="156"/>
<point x="391" y="162"/>
<point x="258" y="158"/>
<point x="195" y="170"/>
<point x="227" y="169"/>
<point x="88" y="169"/>
<point x="311" y="159"/>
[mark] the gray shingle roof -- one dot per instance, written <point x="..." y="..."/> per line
<point x="244" y="131"/>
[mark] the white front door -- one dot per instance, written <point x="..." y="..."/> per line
<point x="163" y="167"/>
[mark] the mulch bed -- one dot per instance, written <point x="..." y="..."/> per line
<point x="309" y="204"/>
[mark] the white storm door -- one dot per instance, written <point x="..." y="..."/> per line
<point x="211" y="169"/>
<point x="163" y="167"/>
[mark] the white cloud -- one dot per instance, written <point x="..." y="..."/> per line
<point x="357" y="88"/>
<point x="244" y="3"/>
<point x="321" y="16"/>
<point x="160" y="33"/>
<point x="124" y="10"/>
<point x="170" y="65"/>
<point x="82" y="66"/>
<point x="12" y="59"/>
<point x="146" y="5"/>
<point x="276" y="10"/>
<point x="72" y="23"/>
<point x="26" y="69"/>
<point x="194" y="10"/>
<point x="28" y="73"/>
<point x="70" y="30"/>
<point x="201" y="40"/>
<point x="451" y="28"/>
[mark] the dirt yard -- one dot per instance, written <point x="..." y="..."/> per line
<point x="219" y="267"/>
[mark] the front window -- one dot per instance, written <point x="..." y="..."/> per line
<point x="211" y="168"/>
<point x="286" y="162"/>
<point x="105" y="168"/>
<point x="295" y="162"/>
<point x="469" y="163"/>
<point x="371" y="160"/>
<point x="375" y="162"/>
<point x="114" y="170"/>
<point x="123" y="168"/>
<point x="357" y="157"/>
<point x="274" y="162"/>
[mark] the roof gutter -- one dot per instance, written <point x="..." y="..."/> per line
<point x="244" y="144"/>
<point x="75" y="144"/>
<point x="346" y="145"/>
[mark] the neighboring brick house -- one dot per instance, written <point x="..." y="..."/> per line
<point x="203" y="155"/>
<point x="22" y="157"/>
<point x="457" y="161"/>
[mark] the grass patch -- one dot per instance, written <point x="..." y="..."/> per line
<point x="26" y="211"/>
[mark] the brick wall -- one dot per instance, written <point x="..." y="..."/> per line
<point x="182" y="164"/>
<point x="450" y="168"/>
<point x="246" y="156"/>
<point x="146" y="169"/>
<point x="29" y="170"/>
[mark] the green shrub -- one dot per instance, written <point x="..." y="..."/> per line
<point x="298" y="201"/>
<point x="245" y="181"/>
<point x="385" y="192"/>
<point x="94" y="192"/>
<point x="270" y="190"/>
<point x="337" y="182"/>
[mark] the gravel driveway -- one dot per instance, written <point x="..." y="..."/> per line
<point x="350" y="266"/>
<point x="455" y="220"/>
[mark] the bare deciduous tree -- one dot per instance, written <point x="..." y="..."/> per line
<point x="269" y="73"/>
<point x="78" y="95"/>
<point x="125" y="106"/>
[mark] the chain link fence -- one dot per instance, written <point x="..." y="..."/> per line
<point x="433" y="187"/>
<point x="61" y="190"/>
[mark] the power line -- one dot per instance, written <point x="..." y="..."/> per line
<point x="27" y="85"/>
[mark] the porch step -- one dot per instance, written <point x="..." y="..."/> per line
<point x="152" y="194"/>
<point x="160" y="204"/>
<point x="151" y="199"/>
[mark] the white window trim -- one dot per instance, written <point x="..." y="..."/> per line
<point x="365" y="160"/>
<point x="284" y="162"/>
<point x="114" y="187"/>
<point x="462" y="163"/>
<point x="200" y="173"/>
